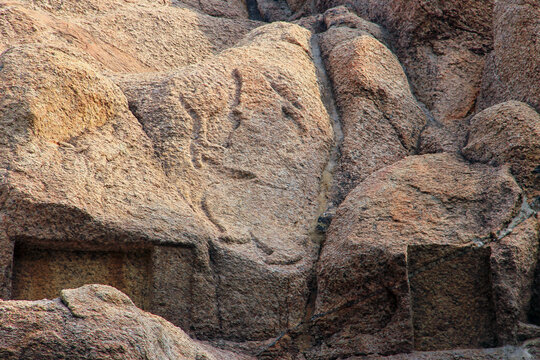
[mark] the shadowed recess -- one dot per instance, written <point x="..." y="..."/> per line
<point x="253" y="10"/>
<point x="41" y="273"/>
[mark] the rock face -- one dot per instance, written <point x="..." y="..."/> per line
<point x="226" y="131"/>
<point x="228" y="8"/>
<point x="451" y="300"/>
<point x="508" y="133"/>
<point x="210" y="178"/>
<point x="94" y="322"/>
<point x="441" y="44"/>
<point x="513" y="262"/>
<point x="513" y="67"/>
<point x="364" y="299"/>
<point x="273" y="10"/>
<point x="53" y="107"/>
<point x="360" y="182"/>
<point x="507" y="352"/>
<point x="381" y="120"/>
<point x="119" y="35"/>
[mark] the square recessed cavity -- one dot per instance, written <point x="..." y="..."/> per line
<point x="41" y="273"/>
<point x="451" y="293"/>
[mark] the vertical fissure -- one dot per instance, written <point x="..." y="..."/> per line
<point x="323" y="217"/>
<point x="325" y="202"/>
<point x="212" y="254"/>
<point x="253" y="10"/>
<point x="327" y="96"/>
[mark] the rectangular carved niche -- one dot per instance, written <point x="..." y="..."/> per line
<point x="451" y="293"/>
<point x="41" y="273"/>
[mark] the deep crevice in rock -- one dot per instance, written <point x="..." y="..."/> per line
<point x="253" y="10"/>
<point x="212" y="254"/>
<point x="326" y="206"/>
<point x="328" y="99"/>
<point x="325" y="210"/>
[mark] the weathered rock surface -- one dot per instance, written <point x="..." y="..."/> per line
<point x="381" y="120"/>
<point x="513" y="67"/>
<point x="206" y="169"/>
<point x="528" y="351"/>
<point x="71" y="140"/>
<point x="441" y="45"/>
<point x="86" y="178"/>
<point x="437" y="137"/>
<point x="341" y="16"/>
<point x="363" y="303"/>
<point x="193" y="159"/>
<point x="222" y="8"/>
<point x="508" y="133"/>
<point x="228" y="132"/>
<point x="513" y="262"/>
<point x="61" y="96"/>
<point x="274" y="10"/>
<point x="120" y="35"/>
<point x="215" y="144"/>
<point x="94" y="322"/>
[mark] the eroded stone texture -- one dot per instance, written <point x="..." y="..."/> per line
<point x="437" y="137"/>
<point x="442" y="45"/>
<point x="93" y="322"/>
<point x="513" y="67"/>
<point x="204" y="206"/>
<point x="93" y="7"/>
<point x="60" y="173"/>
<point x="513" y="262"/>
<point x="120" y="35"/>
<point x="42" y="274"/>
<point x="6" y="260"/>
<point x="62" y="97"/>
<point x="534" y="309"/>
<point x="228" y="132"/>
<point x="224" y="162"/>
<point x="508" y="352"/>
<point x="508" y="133"/>
<point x="274" y="10"/>
<point x="381" y="120"/>
<point x="451" y="297"/>
<point x="234" y="9"/>
<point x="174" y="278"/>
<point x="363" y="297"/>
<point x="341" y="16"/>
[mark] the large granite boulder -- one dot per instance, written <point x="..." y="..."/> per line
<point x="405" y="264"/>
<point x="441" y="44"/>
<point x="380" y="118"/>
<point x="94" y="322"/>
<point x="512" y="69"/>
<point x="229" y="131"/>
<point x="508" y="133"/>
<point x="119" y="35"/>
